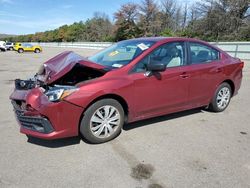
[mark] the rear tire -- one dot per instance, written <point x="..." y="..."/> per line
<point x="20" y="50"/>
<point x="102" y="121"/>
<point x="221" y="98"/>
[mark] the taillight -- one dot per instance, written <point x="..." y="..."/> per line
<point x="242" y="64"/>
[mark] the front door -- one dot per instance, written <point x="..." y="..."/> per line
<point x="161" y="92"/>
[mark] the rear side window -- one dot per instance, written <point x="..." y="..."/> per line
<point x="201" y="53"/>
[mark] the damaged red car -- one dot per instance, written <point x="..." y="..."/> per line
<point x="129" y="81"/>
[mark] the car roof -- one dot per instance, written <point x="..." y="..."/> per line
<point x="172" y="39"/>
<point x="153" y="39"/>
<point x="158" y="39"/>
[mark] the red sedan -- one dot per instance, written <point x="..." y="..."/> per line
<point x="129" y="81"/>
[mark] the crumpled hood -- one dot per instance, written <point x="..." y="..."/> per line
<point x="61" y="64"/>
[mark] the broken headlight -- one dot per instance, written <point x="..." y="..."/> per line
<point x="58" y="93"/>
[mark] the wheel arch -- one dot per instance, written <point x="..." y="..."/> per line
<point x="36" y="48"/>
<point x="231" y="83"/>
<point x="120" y="99"/>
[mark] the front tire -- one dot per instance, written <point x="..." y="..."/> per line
<point x="222" y="98"/>
<point x="20" y="50"/>
<point x="102" y="121"/>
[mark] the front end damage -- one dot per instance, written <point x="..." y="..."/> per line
<point x="39" y="103"/>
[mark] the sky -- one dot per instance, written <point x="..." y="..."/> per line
<point x="30" y="16"/>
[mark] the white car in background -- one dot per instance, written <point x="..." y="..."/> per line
<point x="3" y="46"/>
<point x="10" y="45"/>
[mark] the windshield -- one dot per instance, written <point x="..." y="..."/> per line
<point x="120" y="54"/>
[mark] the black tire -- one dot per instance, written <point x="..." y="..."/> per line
<point x="20" y="50"/>
<point x="214" y="105"/>
<point x="85" y="126"/>
<point x="37" y="50"/>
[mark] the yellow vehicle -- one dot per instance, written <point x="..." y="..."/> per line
<point x="25" y="47"/>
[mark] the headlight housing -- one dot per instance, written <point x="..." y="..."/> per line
<point x="58" y="93"/>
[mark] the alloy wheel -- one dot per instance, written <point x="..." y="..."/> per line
<point x="223" y="97"/>
<point x="105" y="121"/>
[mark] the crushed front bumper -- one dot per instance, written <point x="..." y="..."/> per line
<point x="33" y="123"/>
<point x="40" y="118"/>
<point x="38" y="124"/>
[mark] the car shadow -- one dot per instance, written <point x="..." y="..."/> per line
<point x="55" y="143"/>
<point x="154" y="120"/>
<point x="76" y="140"/>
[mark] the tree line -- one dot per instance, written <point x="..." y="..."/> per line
<point x="211" y="20"/>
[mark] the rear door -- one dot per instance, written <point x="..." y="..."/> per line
<point x="205" y="70"/>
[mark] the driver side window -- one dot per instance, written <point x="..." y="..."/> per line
<point x="170" y="54"/>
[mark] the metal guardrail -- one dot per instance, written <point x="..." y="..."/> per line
<point x="235" y="49"/>
<point x="86" y="45"/>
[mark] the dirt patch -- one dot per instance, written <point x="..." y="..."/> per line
<point x="139" y="170"/>
<point x="203" y="120"/>
<point x="142" y="171"/>
<point x="244" y="133"/>
<point x="124" y="153"/>
<point x="198" y="165"/>
<point x="155" y="185"/>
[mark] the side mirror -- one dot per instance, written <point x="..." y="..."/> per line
<point x="156" y="67"/>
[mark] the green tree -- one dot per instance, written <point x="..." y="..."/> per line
<point x="98" y="28"/>
<point x="149" y="18"/>
<point x="125" y="25"/>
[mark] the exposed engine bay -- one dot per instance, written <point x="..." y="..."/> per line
<point x="66" y="69"/>
<point x="76" y="75"/>
<point x="60" y="76"/>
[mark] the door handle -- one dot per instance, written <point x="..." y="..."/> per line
<point x="184" y="75"/>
